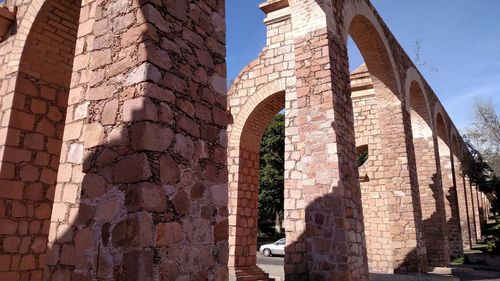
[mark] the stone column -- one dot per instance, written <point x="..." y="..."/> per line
<point x="256" y="96"/>
<point x="451" y="203"/>
<point x="375" y="196"/>
<point x="142" y="185"/>
<point x="477" y="211"/>
<point x="400" y="175"/>
<point x="462" y="204"/>
<point x="323" y="217"/>
<point x="432" y="200"/>
<point x="470" y="210"/>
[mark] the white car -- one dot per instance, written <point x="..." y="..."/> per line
<point x="277" y="248"/>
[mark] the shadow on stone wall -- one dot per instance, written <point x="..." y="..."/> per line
<point x="153" y="197"/>
<point x="324" y="250"/>
<point x="453" y="224"/>
<point x="434" y="228"/>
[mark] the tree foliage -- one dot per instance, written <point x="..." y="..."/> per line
<point x="483" y="141"/>
<point x="272" y="170"/>
<point x="484" y="134"/>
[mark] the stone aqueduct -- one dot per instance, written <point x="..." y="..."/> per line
<point x="123" y="157"/>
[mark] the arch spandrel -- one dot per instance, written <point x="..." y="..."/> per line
<point x="359" y="12"/>
<point x="441" y="125"/>
<point x="240" y="118"/>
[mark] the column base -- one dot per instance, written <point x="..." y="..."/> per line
<point x="248" y="273"/>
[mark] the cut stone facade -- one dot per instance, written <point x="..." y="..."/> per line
<point x="124" y="157"/>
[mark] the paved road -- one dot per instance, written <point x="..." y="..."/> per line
<point x="270" y="260"/>
<point x="271" y="265"/>
<point x="274" y="266"/>
<point x="478" y="275"/>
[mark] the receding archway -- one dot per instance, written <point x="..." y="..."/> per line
<point x="36" y="126"/>
<point x="378" y="105"/>
<point x="245" y="189"/>
<point x="431" y="194"/>
<point x="459" y="180"/>
<point x="374" y="194"/>
<point x="454" y="232"/>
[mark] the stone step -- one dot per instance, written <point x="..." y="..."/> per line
<point x="252" y="273"/>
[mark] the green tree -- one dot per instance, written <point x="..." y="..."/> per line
<point x="272" y="171"/>
<point x="483" y="141"/>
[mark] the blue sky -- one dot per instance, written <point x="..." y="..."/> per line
<point x="460" y="43"/>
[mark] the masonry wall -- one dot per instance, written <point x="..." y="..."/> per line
<point x="262" y="89"/>
<point x="141" y="190"/>
<point x="462" y="203"/>
<point x="35" y="129"/>
<point x="137" y="131"/>
<point x="374" y="195"/>
<point x="151" y="198"/>
<point x="433" y="209"/>
<point x="477" y="211"/>
<point x="452" y="207"/>
<point x="470" y="209"/>
<point x="330" y="193"/>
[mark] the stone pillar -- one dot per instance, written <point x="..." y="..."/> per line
<point x="482" y="212"/>
<point x="470" y="210"/>
<point x="477" y="210"/>
<point x="142" y="187"/>
<point x="256" y="96"/>
<point x="400" y="175"/>
<point x="432" y="200"/>
<point x="451" y="203"/>
<point x="462" y="204"/>
<point x="323" y="219"/>
<point x="375" y="196"/>
<point x="486" y="209"/>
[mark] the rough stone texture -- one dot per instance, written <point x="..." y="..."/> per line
<point x="33" y="110"/>
<point x="461" y="196"/>
<point x="135" y="72"/>
<point x="404" y="164"/>
<point x="477" y="212"/>
<point x="470" y="210"/>
<point x="114" y="155"/>
<point x="431" y="193"/>
<point x="375" y="196"/>
<point x="257" y="95"/>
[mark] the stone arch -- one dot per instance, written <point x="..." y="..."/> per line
<point x="455" y="144"/>
<point x="414" y="86"/>
<point x="375" y="197"/>
<point x="19" y="43"/>
<point x="442" y="132"/>
<point x="459" y="181"/>
<point x="45" y="45"/>
<point x="431" y="194"/>
<point x="420" y="114"/>
<point x="245" y="136"/>
<point x="440" y="125"/>
<point x="263" y="93"/>
<point x="363" y="25"/>
<point x="360" y="22"/>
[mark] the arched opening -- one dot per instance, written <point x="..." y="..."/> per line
<point x="374" y="193"/>
<point x="450" y="193"/>
<point x="461" y="192"/>
<point x="261" y="90"/>
<point x="37" y="118"/>
<point x="378" y="115"/>
<point x="431" y="193"/>
<point x="244" y="190"/>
